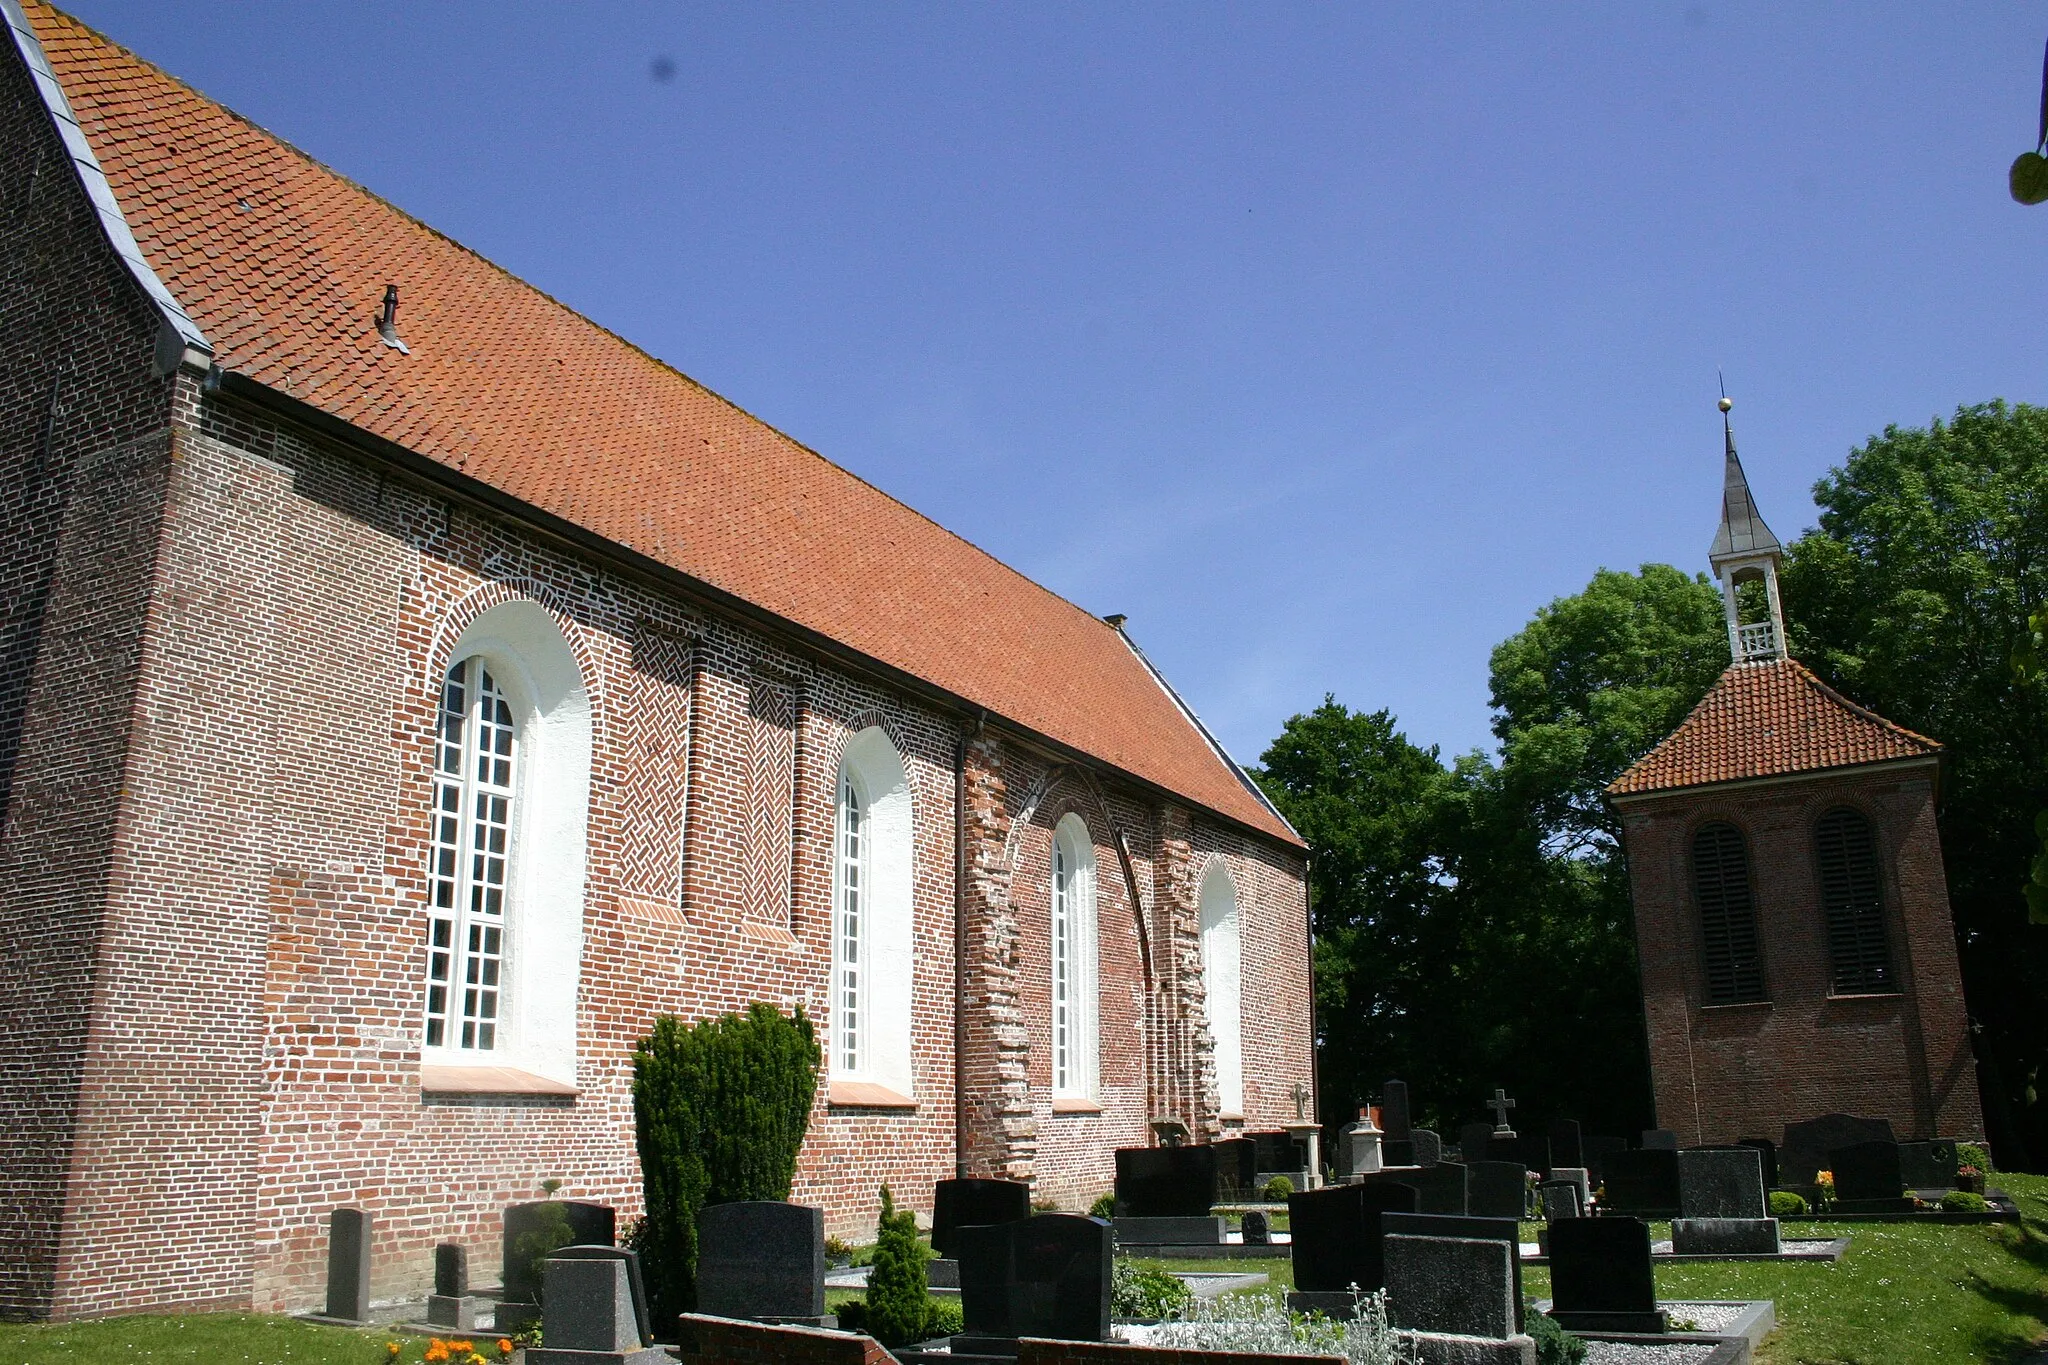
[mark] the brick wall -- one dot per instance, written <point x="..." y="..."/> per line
<point x="1731" y="1071"/>
<point x="84" y="445"/>
<point x="727" y="1341"/>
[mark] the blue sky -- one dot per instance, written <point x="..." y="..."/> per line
<point x="1326" y="342"/>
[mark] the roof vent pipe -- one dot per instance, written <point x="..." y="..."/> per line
<point x="387" y="325"/>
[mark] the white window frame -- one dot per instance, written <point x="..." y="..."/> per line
<point x="853" y="890"/>
<point x="880" y="886"/>
<point x="475" y="836"/>
<point x="1073" y="960"/>
<point x="1223" y="983"/>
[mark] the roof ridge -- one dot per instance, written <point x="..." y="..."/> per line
<point x="1814" y="680"/>
<point x="64" y="16"/>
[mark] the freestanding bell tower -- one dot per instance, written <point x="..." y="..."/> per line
<point x="1798" y="956"/>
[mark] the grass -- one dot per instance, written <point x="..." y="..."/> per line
<point x="198" y="1338"/>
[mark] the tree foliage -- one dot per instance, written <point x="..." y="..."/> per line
<point x="899" y="1297"/>
<point x="720" y="1110"/>
<point x="1912" y="597"/>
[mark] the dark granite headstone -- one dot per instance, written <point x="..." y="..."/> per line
<point x="576" y="1319"/>
<point x="1442" y="1188"/>
<point x="451" y="1270"/>
<point x="1451" y="1290"/>
<point x="968" y="1203"/>
<point x="1256" y="1230"/>
<point x="1721" y="1182"/>
<point x="1047" y="1276"/>
<point x="1600" y="1276"/>
<point x="1473" y="1141"/>
<point x="589" y="1225"/>
<point x="1429" y="1146"/>
<point x="1804" y="1153"/>
<point x="1659" y="1140"/>
<point x="1438" y="1225"/>
<point x="1237" y="1167"/>
<point x="1498" y="1189"/>
<point x="1867" y="1171"/>
<point x="1336" y="1234"/>
<point x="348" y="1265"/>
<point x="1165" y="1182"/>
<point x="1395" y="1119"/>
<point x="1928" y="1165"/>
<point x="1594" y="1147"/>
<point x="1769" y="1151"/>
<point x="763" y="1259"/>
<point x="1565" y="1149"/>
<point x="1561" y="1199"/>
<point x="1529" y="1149"/>
<point x="1642" y="1183"/>
<point x="1281" y="1153"/>
<point x="451" y="1305"/>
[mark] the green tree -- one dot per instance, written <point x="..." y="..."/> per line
<point x="1912" y="596"/>
<point x="899" y="1296"/>
<point x="720" y="1110"/>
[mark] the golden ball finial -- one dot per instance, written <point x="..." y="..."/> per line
<point x="1727" y="403"/>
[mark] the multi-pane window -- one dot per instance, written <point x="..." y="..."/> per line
<point x="1728" y="937"/>
<point x="850" y="915"/>
<point x="474" y="775"/>
<point x="1846" y="851"/>
<point x="1073" y="962"/>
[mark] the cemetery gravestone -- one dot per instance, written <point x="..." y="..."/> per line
<point x="589" y="1225"/>
<point x="1497" y="1189"/>
<point x="1237" y="1168"/>
<point x="348" y="1265"/>
<point x="1643" y="1183"/>
<point x="1721" y="1182"/>
<point x="1768" y="1150"/>
<point x="1579" y="1176"/>
<point x="764" y="1260"/>
<point x="1337" y="1242"/>
<point x="1564" y="1142"/>
<point x="1659" y="1140"/>
<point x="1805" y="1150"/>
<point x="973" y="1203"/>
<point x="1397" y="1148"/>
<point x="1163" y="1196"/>
<point x="1442" y="1188"/>
<point x="1474" y="1140"/>
<point x="1529" y="1149"/>
<point x="1928" y="1165"/>
<point x="1868" y="1178"/>
<point x="451" y="1304"/>
<point x="1358" y="1149"/>
<point x="1451" y="1286"/>
<point x="1257" y="1232"/>
<point x="1560" y="1200"/>
<point x="1601" y="1278"/>
<point x="1280" y="1154"/>
<point x="1429" y="1146"/>
<point x="1503" y="1230"/>
<point x="1048" y="1276"/>
<point x="1595" y="1149"/>
<point x="596" y="1311"/>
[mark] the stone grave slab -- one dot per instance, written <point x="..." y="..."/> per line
<point x="1429" y="1146"/>
<point x="1560" y="1199"/>
<point x="1337" y="1240"/>
<point x="1768" y="1150"/>
<point x="1441" y="1188"/>
<point x="1396" y="1119"/>
<point x="1565" y="1140"/>
<point x="1255" y="1229"/>
<point x="1279" y="1153"/>
<point x="1659" y="1140"/>
<point x="965" y="1203"/>
<point x="1721" y="1182"/>
<point x="763" y="1260"/>
<point x="1047" y="1276"/>
<point x="348" y="1264"/>
<point x="1725" y="1237"/>
<point x="1165" y="1182"/>
<point x="1505" y="1230"/>
<point x="451" y="1305"/>
<point x="1454" y="1286"/>
<point x="589" y="1225"/>
<point x="1579" y="1176"/>
<point x="1237" y="1168"/>
<point x="1804" y="1152"/>
<point x="1474" y="1140"/>
<point x="1642" y="1183"/>
<point x="1601" y="1279"/>
<point x="1929" y="1165"/>
<point x="596" y="1310"/>
<point x="1868" y="1178"/>
<point x="1531" y="1150"/>
<point x="1595" y="1147"/>
<point x="1497" y="1189"/>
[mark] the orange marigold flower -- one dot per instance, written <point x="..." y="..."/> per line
<point x="392" y="1348"/>
<point x="504" y="1346"/>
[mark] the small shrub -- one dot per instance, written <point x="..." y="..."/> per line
<point x="838" y="1251"/>
<point x="1970" y="1154"/>
<point x="1554" y="1345"/>
<point x="898" y="1295"/>
<point x="942" y="1318"/>
<point x="1146" y="1292"/>
<point x="1962" y="1201"/>
<point x="1277" y="1189"/>
<point x="1105" y="1207"/>
<point x="1786" y="1204"/>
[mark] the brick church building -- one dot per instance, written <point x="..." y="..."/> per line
<point x="409" y="689"/>
<point x="1798" y="957"/>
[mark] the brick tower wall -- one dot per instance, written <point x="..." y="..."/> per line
<point x="1734" y="1071"/>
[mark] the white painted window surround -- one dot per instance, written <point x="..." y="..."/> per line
<point x="1222" y="979"/>
<point x="546" y="799"/>
<point x="1074" y="984"/>
<point x="873" y="971"/>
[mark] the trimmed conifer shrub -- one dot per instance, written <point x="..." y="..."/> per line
<point x="899" y="1293"/>
<point x="720" y="1108"/>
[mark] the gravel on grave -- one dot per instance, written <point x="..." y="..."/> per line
<point x="1630" y="1353"/>
<point x="1704" y="1317"/>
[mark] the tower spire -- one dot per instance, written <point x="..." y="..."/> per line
<point x="1744" y="549"/>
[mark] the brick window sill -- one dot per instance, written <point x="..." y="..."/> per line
<point x="1075" y="1105"/>
<point x="1228" y="1117"/>
<point x="1867" y="995"/>
<point x="489" y="1080"/>
<point x="1738" y="1005"/>
<point x="866" y="1095"/>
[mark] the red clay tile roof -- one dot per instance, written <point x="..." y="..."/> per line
<point x="1768" y="720"/>
<point x="283" y="264"/>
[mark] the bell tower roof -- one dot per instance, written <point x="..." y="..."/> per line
<point x="1743" y="534"/>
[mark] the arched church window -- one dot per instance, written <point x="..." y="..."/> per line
<point x="1846" y="851"/>
<point x="1222" y="985"/>
<point x="474" y="800"/>
<point x="873" y="966"/>
<point x="1728" y="936"/>
<point x="1073" y="961"/>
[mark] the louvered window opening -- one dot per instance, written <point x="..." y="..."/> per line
<point x="1850" y="893"/>
<point x="1720" y="876"/>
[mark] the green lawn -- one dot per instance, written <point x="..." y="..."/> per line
<point x="1932" y="1295"/>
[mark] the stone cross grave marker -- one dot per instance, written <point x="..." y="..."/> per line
<point x="764" y="1260"/>
<point x="595" y="1310"/>
<point x="1302" y="1095"/>
<point x="348" y="1265"/>
<point x="1601" y="1278"/>
<point x="1500" y="1104"/>
<point x="1047" y="1276"/>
